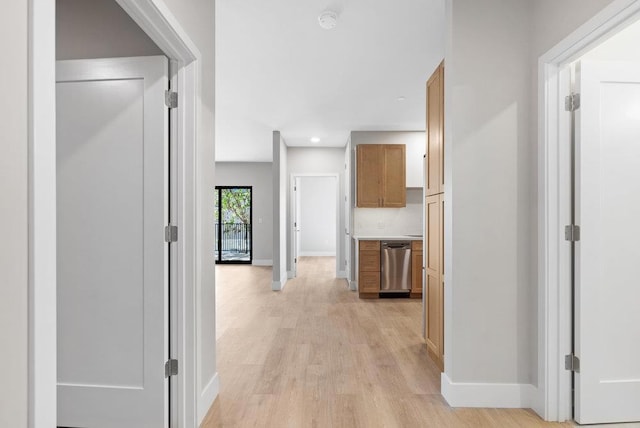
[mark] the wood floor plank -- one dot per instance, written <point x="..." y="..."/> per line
<point x="315" y="355"/>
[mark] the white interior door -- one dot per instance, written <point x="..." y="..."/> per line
<point x="112" y="160"/>
<point x="296" y="224"/>
<point x="607" y="335"/>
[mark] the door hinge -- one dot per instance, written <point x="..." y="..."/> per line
<point x="171" y="99"/>
<point x="572" y="363"/>
<point x="170" y="368"/>
<point x="572" y="102"/>
<point x="572" y="233"/>
<point x="170" y="233"/>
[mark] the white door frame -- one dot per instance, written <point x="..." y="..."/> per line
<point x="554" y="262"/>
<point x="292" y="181"/>
<point x="155" y="18"/>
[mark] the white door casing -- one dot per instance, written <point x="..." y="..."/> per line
<point x="112" y="206"/>
<point x="607" y="335"/>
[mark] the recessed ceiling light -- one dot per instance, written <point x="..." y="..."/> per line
<point x="328" y="19"/>
<point x="315" y="140"/>
<point x="401" y="98"/>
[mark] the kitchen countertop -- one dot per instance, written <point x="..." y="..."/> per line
<point x="387" y="237"/>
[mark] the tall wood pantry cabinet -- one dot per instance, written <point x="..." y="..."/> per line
<point x="381" y="176"/>
<point x="434" y="218"/>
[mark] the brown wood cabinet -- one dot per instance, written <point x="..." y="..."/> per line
<point x="416" y="269"/>
<point x="434" y="218"/>
<point x="435" y="133"/>
<point x="381" y="176"/>
<point x="433" y="284"/>
<point x="369" y="269"/>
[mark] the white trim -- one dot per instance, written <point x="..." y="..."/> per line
<point x="553" y="402"/>
<point x="353" y="285"/>
<point x="42" y="216"/>
<point x="342" y="274"/>
<point x="317" y="254"/>
<point x="494" y="395"/>
<point x="264" y="262"/>
<point x="290" y="226"/>
<point x="208" y="396"/>
<point x="290" y="274"/>
<point x="155" y="18"/>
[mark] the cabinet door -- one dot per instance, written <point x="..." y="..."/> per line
<point x="394" y="176"/>
<point x="433" y="285"/>
<point x="369" y="183"/>
<point x="434" y="176"/>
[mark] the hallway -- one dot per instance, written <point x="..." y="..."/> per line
<point x="314" y="355"/>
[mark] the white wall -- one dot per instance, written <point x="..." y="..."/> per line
<point x="317" y="216"/>
<point x="14" y="215"/>
<point x="259" y="176"/>
<point x="280" y="193"/>
<point x="488" y="113"/>
<point x="98" y="29"/>
<point x="311" y="160"/>
<point x="491" y="189"/>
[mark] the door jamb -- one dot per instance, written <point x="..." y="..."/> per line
<point x="554" y="402"/>
<point x="290" y="226"/>
<point x="155" y="18"/>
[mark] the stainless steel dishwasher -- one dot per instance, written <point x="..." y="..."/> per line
<point x="395" y="266"/>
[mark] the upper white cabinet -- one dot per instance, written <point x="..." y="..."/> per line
<point x="415" y="160"/>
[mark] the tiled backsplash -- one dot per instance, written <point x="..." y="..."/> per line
<point x="390" y="221"/>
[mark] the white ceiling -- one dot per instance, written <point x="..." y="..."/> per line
<point x="277" y="69"/>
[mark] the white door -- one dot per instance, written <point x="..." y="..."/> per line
<point x="112" y="159"/>
<point x="296" y="224"/>
<point x="607" y="340"/>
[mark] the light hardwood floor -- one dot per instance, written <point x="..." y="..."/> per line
<point x="314" y="355"/>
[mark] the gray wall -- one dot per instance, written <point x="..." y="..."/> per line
<point x="259" y="176"/>
<point x="311" y="160"/>
<point x="14" y="215"/>
<point x="98" y="29"/>
<point x="491" y="181"/>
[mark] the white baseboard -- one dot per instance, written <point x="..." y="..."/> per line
<point x="290" y="274"/>
<point x="207" y="397"/>
<point x="495" y="395"/>
<point x="317" y="254"/>
<point x="353" y="285"/>
<point x="262" y="262"/>
<point x="342" y="274"/>
<point x="279" y="285"/>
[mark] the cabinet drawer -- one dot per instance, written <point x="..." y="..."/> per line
<point x="416" y="245"/>
<point x="369" y="245"/>
<point x="369" y="261"/>
<point x="369" y="282"/>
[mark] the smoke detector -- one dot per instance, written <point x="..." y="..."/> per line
<point x="328" y="19"/>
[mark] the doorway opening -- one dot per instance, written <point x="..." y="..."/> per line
<point x="180" y="66"/>
<point x="314" y="218"/>
<point x="589" y="104"/>
<point x="234" y="228"/>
